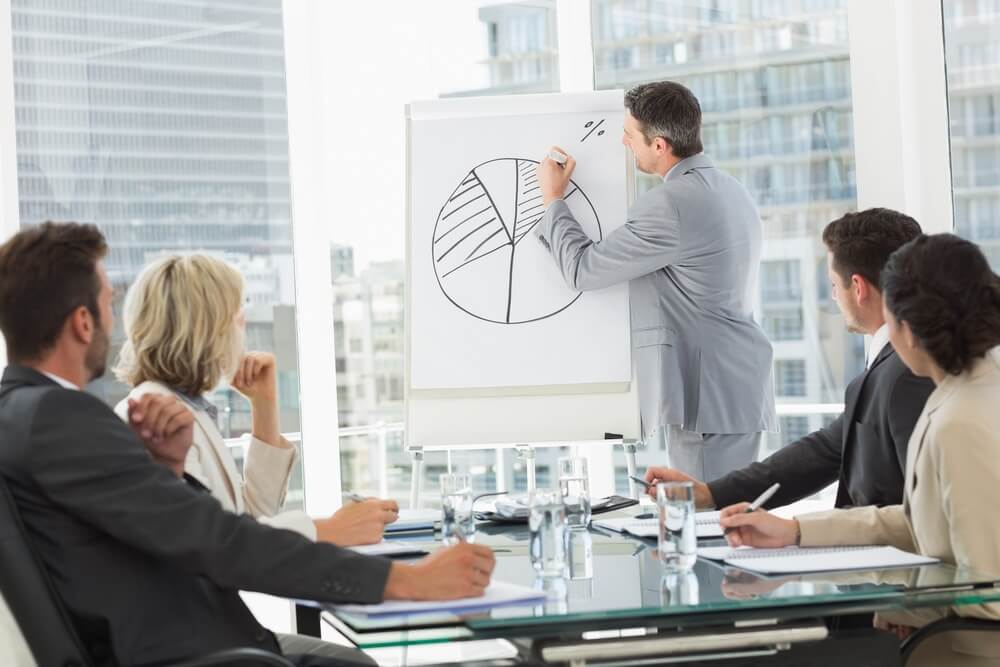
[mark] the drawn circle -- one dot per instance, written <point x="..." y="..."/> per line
<point x="482" y="245"/>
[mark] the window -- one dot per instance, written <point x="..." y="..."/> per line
<point x="165" y="124"/>
<point x="792" y="429"/>
<point x="773" y="79"/>
<point x="973" y="69"/>
<point x="484" y="48"/>
<point x="789" y="377"/>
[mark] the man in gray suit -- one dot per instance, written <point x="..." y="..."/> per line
<point x="690" y="250"/>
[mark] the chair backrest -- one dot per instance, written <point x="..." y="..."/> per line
<point x="31" y="596"/>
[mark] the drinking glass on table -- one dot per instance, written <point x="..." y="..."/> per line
<point x="678" y="536"/>
<point x="547" y="525"/>
<point x="458" y="524"/>
<point x="575" y="488"/>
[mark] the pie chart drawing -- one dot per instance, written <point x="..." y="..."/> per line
<point x="487" y="262"/>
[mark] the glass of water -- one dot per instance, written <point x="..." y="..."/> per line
<point x="547" y="524"/>
<point x="678" y="539"/>
<point x="575" y="489"/>
<point x="457" y="521"/>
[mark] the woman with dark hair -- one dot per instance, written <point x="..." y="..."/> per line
<point x="942" y="305"/>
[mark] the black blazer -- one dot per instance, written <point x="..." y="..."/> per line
<point x="864" y="448"/>
<point x="138" y="555"/>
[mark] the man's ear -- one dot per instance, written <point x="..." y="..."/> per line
<point x="860" y="289"/>
<point x="81" y="325"/>
<point x="662" y="146"/>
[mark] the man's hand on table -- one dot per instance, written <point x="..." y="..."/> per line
<point x="460" y="571"/>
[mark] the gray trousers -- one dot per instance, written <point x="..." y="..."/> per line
<point x="709" y="456"/>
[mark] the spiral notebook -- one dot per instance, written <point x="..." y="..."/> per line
<point x="706" y="525"/>
<point x="788" y="560"/>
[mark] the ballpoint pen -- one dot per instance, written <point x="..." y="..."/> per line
<point x="640" y="481"/>
<point x="644" y="515"/>
<point x="762" y="498"/>
<point x="758" y="501"/>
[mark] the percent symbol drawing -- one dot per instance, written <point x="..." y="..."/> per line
<point x="478" y="247"/>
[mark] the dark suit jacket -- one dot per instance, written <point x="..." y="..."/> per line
<point x="864" y="448"/>
<point x="136" y="553"/>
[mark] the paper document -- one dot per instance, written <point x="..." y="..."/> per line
<point x="498" y="594"/>
<point x="387" y="548"/>
<point x="789" y="560"/>
<point x="706" y="525"/>
<point x="414" y="519"/>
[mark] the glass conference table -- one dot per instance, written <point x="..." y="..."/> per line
<point x="616" y="601"/>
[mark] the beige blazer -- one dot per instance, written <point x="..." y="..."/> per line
<point x="951" y="491"/>
<point x="260" y="491"/>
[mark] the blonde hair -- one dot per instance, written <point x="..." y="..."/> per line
<point x="181" y="324"/>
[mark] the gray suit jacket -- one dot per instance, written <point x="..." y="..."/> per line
<point x="690" y="250"/>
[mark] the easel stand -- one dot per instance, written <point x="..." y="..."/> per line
<point x="525" y="453"/>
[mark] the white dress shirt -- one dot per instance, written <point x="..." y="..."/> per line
<point x="879" y="340"/>
<point x="61" y="381"/>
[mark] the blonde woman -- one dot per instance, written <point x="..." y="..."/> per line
<point x="184" y="326"/>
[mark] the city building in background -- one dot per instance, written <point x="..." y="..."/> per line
<point x="972" y="54"/>
<point x="521" y="53"/>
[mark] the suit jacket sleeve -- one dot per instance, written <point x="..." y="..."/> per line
<point x="802" y="467"/>
<point x="906" y="402"/>
<point x="648" y="241"/>
<point x="858" y="525"/>
<point x="84" y="459"/>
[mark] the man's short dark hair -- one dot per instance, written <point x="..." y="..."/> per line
<point x="861" y="242"/>
<point x="46" y="272"/>
<point x="669" y="110"/>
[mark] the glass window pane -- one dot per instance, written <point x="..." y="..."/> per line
<point x="492" y="49"/>
<point x="165" y="124"/>
<point x="773" y="79"/>
<point x="972" y="53"/>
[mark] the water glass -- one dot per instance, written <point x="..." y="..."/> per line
<point x="547" y="524"/>
<point x="580" y="564"/>
<point x="575" y="488"/>
<point x="580" y="554"/>
<point x="678" y="537"/>
<point x="457" y="521"/>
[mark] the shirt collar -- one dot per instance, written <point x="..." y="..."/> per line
<point x="879" y="340"/>
<point x="60" y="381"/>
<point x="696" y="161"/>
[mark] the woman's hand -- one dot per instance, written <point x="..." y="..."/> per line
<point x="357" y="523"/>
<point x="757" y="529"/>
<point x="256" y="377"/>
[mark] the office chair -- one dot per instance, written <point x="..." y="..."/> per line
<point x="45" y="622"/>
<point x="950" y="624"/>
